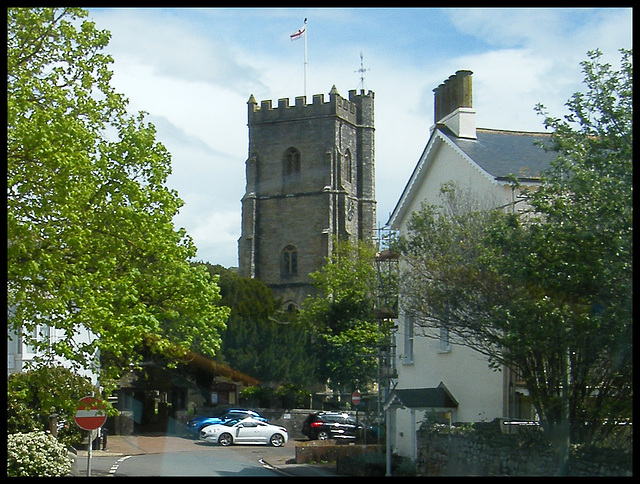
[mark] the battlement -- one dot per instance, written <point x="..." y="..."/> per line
<point x="346" y="109"/>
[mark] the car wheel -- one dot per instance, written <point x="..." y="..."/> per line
<point x="323" y="435"/>
<point x="225" y="439"/>
<point x="276" y="440"/>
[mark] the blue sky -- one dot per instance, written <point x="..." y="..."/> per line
<point x="192" y="70"/>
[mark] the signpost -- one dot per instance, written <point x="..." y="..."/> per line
<point x="356" y="398"/>
<point x="90" y="415"/>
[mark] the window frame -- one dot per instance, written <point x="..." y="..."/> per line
<point x="289" y="261"/>
<point x="291" y="162"/>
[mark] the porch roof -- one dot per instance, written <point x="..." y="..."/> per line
<point x="438" y="397"/>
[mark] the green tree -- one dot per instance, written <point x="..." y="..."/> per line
<point x="33" y="396"/>
<point x="261" y="339"/>
<point x="341" y="319"/>
<point x="91" y="241"/>
<point x="586" y="208"/>
<point x="547" y="294"/>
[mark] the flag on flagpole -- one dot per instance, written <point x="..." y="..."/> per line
<point x="296" y="35"/>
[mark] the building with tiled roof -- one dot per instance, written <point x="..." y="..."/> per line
<point x="434" y="375"/>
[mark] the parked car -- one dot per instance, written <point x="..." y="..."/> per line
<point x="245" y="431"/>
<point x="196" y="424"/>
<point x="337" y="425"/>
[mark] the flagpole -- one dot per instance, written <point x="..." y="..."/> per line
<point x="295" y="36"/>
<point x="305" y="57"/>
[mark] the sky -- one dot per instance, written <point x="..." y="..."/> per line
<point x="192" y="70"/>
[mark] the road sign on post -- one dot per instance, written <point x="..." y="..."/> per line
<point x="90" y="413"/>
<point x="355" y="398"/>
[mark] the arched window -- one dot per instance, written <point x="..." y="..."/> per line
<point x="289" y="261"/>
<point x="348" y="166"/>
<point x="290" y="307"/>
<point x="291" y="162"/>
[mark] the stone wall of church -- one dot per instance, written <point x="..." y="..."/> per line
<point x="331" y="195"/>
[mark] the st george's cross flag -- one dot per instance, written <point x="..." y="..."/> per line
<point x="300" y="33"/>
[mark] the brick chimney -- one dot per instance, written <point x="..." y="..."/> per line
<point x="453" y="105"/>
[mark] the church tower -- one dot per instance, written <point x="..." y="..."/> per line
<point x="310" y="178"/>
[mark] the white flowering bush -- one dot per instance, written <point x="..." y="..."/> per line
<point x="36" y="454"/>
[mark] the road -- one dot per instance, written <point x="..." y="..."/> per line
<point x="241" y="461"/>
<point x="196" y="458"/>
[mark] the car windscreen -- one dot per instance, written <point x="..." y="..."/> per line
<point x="218" y="413"/>
<point x="232" y="422"/>
<point x="334" y="418"/>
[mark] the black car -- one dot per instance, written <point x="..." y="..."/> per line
<point x="337" y="425"/>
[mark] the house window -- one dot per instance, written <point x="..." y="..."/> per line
<point x="291" y="162"/>
<point x="289" y="261"/>
<point x="408" y="340"/>
<point x="445" y="342"/>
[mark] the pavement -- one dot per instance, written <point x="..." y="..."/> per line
<point x="127" y="445"/>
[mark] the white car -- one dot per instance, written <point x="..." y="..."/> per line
<point x="246" y="431"/>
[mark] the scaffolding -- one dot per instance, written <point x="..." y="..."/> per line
<point x="387" y="297"/>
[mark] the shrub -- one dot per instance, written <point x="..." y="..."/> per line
<point x="375" y="465"/>
<point x="36" y="454"/>
<point x="32" y="396"/>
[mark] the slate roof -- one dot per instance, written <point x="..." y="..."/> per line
<point x="498" y="153"/>
<point x="501" y="153"/>
<point x="438" y="397"/>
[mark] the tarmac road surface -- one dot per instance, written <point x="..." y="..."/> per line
<point x="169" y="455"/>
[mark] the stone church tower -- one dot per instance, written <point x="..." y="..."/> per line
<point x="310" y="178"/>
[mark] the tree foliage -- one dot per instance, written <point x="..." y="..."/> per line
<point x="547" y="293"/>
<point x="261" y="339"/>
<point x="91" y="242"/>
<point x="33" y="396"/>
<point x="341" y="318"/>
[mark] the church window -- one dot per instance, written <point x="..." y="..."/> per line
<point x="289" y="261"/>
<point x="291" y="162"/>
<point x="348" y="166"/>
<point x="291" y="307"/>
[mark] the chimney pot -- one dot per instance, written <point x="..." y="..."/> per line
<point x="455" y="95"/>
<point x="455" y="92"/>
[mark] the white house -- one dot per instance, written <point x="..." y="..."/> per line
<point x="434" y="375"/>
<point x="21" y="355"/>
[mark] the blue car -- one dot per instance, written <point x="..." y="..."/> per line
<point x="198" y="423"/>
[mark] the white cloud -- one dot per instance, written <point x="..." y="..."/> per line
<point x="215" y="231"/>
<point x="193" y="70"/>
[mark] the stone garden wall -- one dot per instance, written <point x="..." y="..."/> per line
<point x="483" y="450"/>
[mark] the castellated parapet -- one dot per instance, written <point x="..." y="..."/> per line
<point x="346" y="109"/>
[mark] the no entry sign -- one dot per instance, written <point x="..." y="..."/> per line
<point x="355" y="398"/>
<point x="90" y="413"/>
